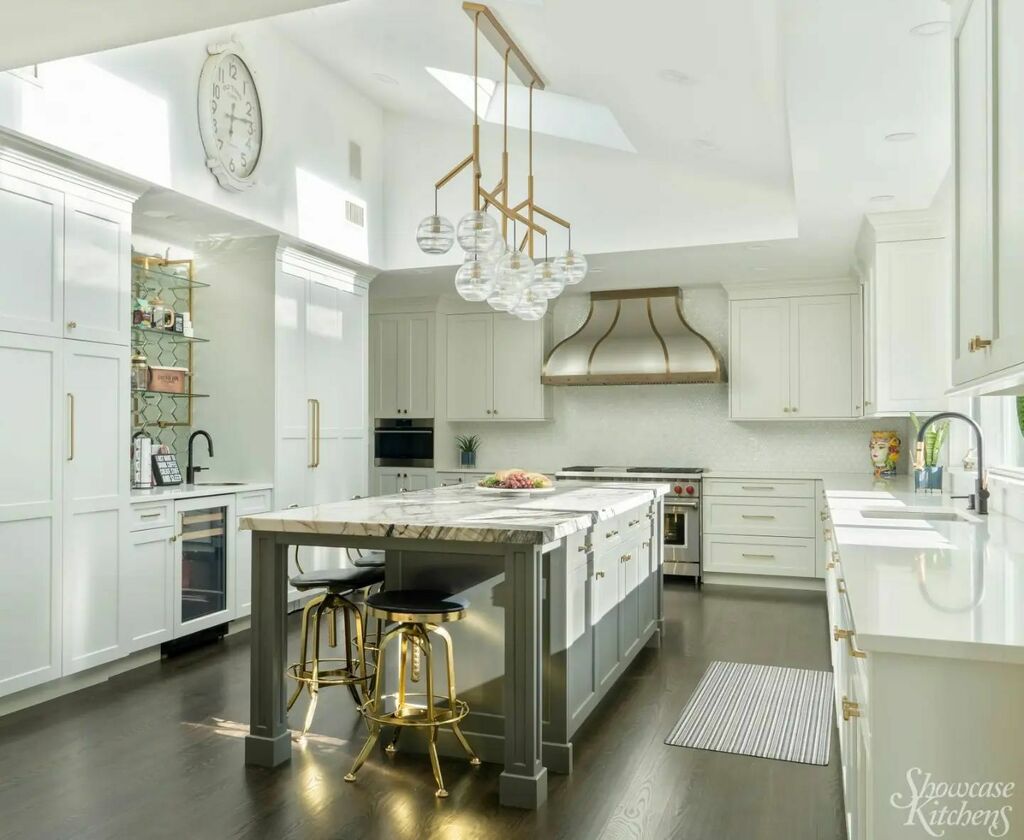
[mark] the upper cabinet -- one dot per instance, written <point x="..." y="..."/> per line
<point x="794" y="357"/>
<point x="493" y="367"/>
<point x="68" y="248"/>
<point x="903" y="262"/>
<point x="987" y="330"/>
<point x="402" y="356"/>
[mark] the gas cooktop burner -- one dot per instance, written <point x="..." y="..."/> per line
<point x="667" y="470"/>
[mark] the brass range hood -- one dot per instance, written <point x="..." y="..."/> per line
<point x="634" y="337"/>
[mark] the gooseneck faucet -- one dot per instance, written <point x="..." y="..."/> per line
<point x="190" y="470"/>
<point x="978" y="500"/>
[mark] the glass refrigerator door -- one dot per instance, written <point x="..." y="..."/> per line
<point x="204" y="563"/>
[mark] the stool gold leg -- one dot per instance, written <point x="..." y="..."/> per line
<point x="304" y="631"/>
<point x="314" y="679"/>
<point x="428" y="688"/>
<point x="474" y="759"/>
<point x="403" y="660"/>
<point x="440" y="792"/>
<point x="365" y="752"/>
<point x="332" y="629"/>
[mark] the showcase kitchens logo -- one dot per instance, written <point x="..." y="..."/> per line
<point x="938" y="806"/>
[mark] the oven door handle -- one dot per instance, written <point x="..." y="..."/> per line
<point x="681" y="505"/>
<point x="404" y="431"/>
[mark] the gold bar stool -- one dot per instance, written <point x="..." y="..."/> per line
<point x="417" y="614"/>
<point x="317" y="672"/>
<point x="369" y="560"/>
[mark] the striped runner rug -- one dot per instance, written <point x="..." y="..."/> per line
<point x="759" y="710"/>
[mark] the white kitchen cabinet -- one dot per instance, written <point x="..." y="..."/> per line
<point x="30" y="510"/>
<point x="988" y="335"/>
<point x="146" y="589"/>
<point x="248" y="503"/>
<point x="403" y="480"/>
<point x="402" y="355"/>
<point x="32" y="240"/>
<point x="97" y="271"/>
<point x="94" y="412"/>
<point x="493" y="364"/>
<point x="794" y="357"/>
<point x="903" y="264"/>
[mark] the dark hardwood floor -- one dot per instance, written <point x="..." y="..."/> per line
<point x="157" y="753"/>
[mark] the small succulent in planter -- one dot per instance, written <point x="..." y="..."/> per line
<point x="928" y="476"/>
<point x="468" y="446"/>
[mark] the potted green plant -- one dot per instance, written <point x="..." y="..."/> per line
<point x="468" y="445"/>
<point x="929" y="475"/>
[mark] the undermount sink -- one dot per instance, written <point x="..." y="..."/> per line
<point x="927" y="514"/>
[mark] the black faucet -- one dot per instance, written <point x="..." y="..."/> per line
<point x="978" y="500"/>
<point x="190" y="471"/>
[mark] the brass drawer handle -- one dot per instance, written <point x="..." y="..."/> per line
<point x="841" y="586"/>
<point x="610" y="534"/>
<point x="152" y="515"/>
<point x="978" y="343"/>
<point x="759" y="556"/>
<point x="633" y="522"/>
<point x="757" y="486"/>
<point x="838" y="633"/>
<point x="646" y="544"/>
<point x="757" y="515"/>
<point x="625" y="558"/>
<point x="584" y="547"/>
<point x="850" y="709"/>
<point x="598" y="574"/>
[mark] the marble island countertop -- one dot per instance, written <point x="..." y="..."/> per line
<point x="464" y="513"/>
<point x="941" y="587"/>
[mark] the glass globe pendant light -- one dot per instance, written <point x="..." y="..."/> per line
<point x="476" y="232"/>
<point x="474" y="280"/>
<point x="435" y="234"/>
<point x="513" y="273"/>
<point x="548" y="278"/>
<point x="532" y="304"/>
<point x="573" y="264"/>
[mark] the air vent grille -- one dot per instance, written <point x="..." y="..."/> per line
<point x="355" y="213"/>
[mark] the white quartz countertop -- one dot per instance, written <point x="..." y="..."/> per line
<point x="924" y="586"/>
<point x="465" y="513"/>
<point x="194" y="491"/>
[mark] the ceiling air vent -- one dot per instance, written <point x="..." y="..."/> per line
<point x="355" y="213"/>
<point x="355" y="160"/>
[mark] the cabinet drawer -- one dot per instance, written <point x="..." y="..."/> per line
<point x="252" y="501"/>
<point x="150" y="515"/>
<point x="759" y="488"/>
<point x="608" y="532"/>
<point x="775" y="517"/>
<point x="763" y="556"/>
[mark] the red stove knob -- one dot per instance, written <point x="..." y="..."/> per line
<point x="690" y="490"/>
<point x="677" y="490"/>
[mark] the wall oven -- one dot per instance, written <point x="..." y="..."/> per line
<point x="403" y="443"/>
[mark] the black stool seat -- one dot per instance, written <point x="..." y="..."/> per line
<point x="373" y="560"/>
<point x="417" y="605"/>
<point x="338" y="580"/>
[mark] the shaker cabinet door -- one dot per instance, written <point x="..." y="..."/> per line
<point x="470" y="384"/>
<point x="822" y="384"/>
<point x="760" y="369"/>
<point x="518" y="359"/>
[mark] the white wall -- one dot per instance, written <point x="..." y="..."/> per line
<point x="135" y="109"/>
<point x="616" y="201"/>
<point x="664" y="425"/>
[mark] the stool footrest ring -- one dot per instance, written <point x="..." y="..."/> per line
<point x="342" y="673"/>
<point x="416" y="713"/>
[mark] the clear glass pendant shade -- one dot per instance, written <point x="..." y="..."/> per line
<point x="475" y="279"/>
<point x="435" y="235"/>
<point x="476" y="232"/>
<point x="574" y="265"/>
<point x="548" y="280"/>
<point x="532" y="304"/>
<point x="513" y="273"/>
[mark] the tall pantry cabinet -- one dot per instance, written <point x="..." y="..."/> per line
<point x="65" y="294"/>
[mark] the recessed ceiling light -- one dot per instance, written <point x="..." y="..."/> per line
<point x="931" y="27"/>
<point x="901" y="136"/>
<point x="706" y="145"/>
<point x="384" y="78"/>
<point x="677" y="77"/>
<point x="882" y="197"/>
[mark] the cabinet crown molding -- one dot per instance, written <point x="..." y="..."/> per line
<point x="901" y="226"/>
<point x="790" y="288"/>
<point x="298" y="261"/>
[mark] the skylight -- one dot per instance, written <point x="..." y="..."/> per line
<point x="554" y="114"/>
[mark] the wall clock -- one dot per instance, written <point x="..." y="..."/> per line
<point x="230" y="118"/>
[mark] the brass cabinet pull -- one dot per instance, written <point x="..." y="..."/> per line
<point x="633" y="522"/>
<point x="850" y="709"/>
<point x="786" y="409"/>
<point x="757" y="486"/>
<point x="794" y="409"/>
<point x="72" y="325"/>
<point x="312" y="433"/>
<point x="978" y="343"/>
<point x="757" y="516"/>
<point x="610" y="534"/>
<point x="598" y="574"/>
<point x="152" y="515"/>
<point x="71" y="427"/>
<point x="646" y="544"/>
<point x="583" y="547"/>
<point x="625" y="558"/>
<point x="759" y="556"/>
<point x="823" y="515"/>
<point x="316" y="439"/>
<point x="841" y="586"/>
<point x="838" y="633"/>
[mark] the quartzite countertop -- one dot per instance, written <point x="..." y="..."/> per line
<point x="465" y="513"/>
<point x="193" y="491"/>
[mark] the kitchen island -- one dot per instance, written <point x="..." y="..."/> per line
<point x="564" y="588"/>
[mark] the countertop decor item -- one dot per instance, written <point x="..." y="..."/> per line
<point x="520" y="480"/>
<point x="468" y="446"/>
<point x="885" y="450"/>
<point x="477" y="232"/>
<point x="140" y="372"/>
<point x="168" y="380"/>
<point x="929" y="475"/>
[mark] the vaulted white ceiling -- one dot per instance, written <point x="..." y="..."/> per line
<point x="756" y="123"/>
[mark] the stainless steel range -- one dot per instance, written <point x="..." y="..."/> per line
<point x="682" y="508"/>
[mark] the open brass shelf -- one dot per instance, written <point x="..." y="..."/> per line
<point x="155" y="275"/>
<point x="145" y="392"/>
<point x="145" y="332"/>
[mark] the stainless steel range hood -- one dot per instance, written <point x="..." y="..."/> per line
<point x="634" y="337"/>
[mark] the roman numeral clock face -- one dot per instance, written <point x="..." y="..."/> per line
<point x="230" y="120"/>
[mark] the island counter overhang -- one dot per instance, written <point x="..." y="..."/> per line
<point x="580" y="566"/>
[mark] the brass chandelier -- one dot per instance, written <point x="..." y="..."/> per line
<point x="507" y="278"/>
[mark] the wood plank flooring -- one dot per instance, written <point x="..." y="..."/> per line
<point x="157" y="753"/>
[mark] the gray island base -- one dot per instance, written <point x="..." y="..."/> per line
<point x="565" y="588"/>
